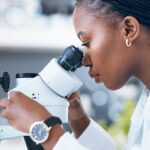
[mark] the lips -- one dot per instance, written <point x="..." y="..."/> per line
<point x="95" y="75"/>
<point x="98" y="79"/>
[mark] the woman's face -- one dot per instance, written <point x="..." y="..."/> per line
<point x="105" y="51"/>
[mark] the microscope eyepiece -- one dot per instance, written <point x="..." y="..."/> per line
<point x="5" y="81"/>
<point x="71" y="58"/>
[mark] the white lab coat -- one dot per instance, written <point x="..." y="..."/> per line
<point x="95" y="138"/>
<point x="139" y="134"/>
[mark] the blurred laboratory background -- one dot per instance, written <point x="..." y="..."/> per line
<point x="32" y="32"/>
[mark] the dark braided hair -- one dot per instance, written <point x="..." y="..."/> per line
<point x="140" y="9"/>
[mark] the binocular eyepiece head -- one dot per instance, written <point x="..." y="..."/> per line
<point x="5" y="81"/>
<point x="71" y="58"/>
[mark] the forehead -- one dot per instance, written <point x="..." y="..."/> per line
<point x="84" y="20"/>
<point x="81" y="15"/>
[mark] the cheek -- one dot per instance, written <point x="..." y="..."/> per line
<point x="101" y="48"/>
<point x="110" y="62"/>
<point x="106" y="51"/>
<point x="101" y="56"/>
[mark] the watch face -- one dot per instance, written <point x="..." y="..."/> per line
<point x="39" y="132"/>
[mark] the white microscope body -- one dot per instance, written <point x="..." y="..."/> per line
<point x="50" y="88"/>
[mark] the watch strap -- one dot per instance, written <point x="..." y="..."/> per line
<point x="52" y="121"/>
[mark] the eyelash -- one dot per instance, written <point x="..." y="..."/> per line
<point x="87" y="44"/>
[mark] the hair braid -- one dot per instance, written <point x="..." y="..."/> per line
<point x="140" y="9"/>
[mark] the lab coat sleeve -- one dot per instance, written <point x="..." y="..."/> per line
<point x="93" y="138"/>
<point x="68" y="142"/>
<point x="96" y="138"/>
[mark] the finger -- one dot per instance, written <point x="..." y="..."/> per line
<point x="4" y="103"/>
<point x="17" y="95"/>
<point x="4" y="113"/>
<point x="74" y="96"/>
<point x="14" y="94"/>
<point x="74" y="101"/>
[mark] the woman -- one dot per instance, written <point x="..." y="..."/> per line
<point x="115" y="35"/>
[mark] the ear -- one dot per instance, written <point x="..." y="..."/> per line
<point x="131" y="28"/>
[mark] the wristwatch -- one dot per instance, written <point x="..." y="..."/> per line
<point x="39" y="131"/>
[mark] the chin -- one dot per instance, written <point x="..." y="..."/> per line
<point x="113" y="86"/>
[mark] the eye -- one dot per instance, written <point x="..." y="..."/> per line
<point x="86" y="44"/>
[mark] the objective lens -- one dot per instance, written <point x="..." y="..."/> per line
<point x="71" y="59"/>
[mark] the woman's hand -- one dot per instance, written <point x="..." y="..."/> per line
<point x="78" y="119"/>
<point x="22" y="112"/>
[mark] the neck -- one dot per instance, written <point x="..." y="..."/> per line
<point x="144" y="67"/>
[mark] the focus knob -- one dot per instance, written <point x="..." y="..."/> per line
<point x="5" y="81"/>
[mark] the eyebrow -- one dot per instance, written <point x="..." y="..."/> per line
<point x="80" y="34"/>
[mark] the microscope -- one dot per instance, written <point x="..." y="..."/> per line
<point x="5" y="81"/>
<point x="50" y="87"/>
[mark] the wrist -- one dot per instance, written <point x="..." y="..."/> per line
<point x="46" y="132"/>
<point x="55" y="133"/>
<point x="78" y="126"/>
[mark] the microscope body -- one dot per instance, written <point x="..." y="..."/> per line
<point x="50" y="88"/>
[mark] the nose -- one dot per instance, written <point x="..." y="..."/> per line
<point x="92" y="73"/>
<point x="86" y="62"/>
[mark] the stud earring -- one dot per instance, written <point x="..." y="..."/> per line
<point x="128" y="43"/>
